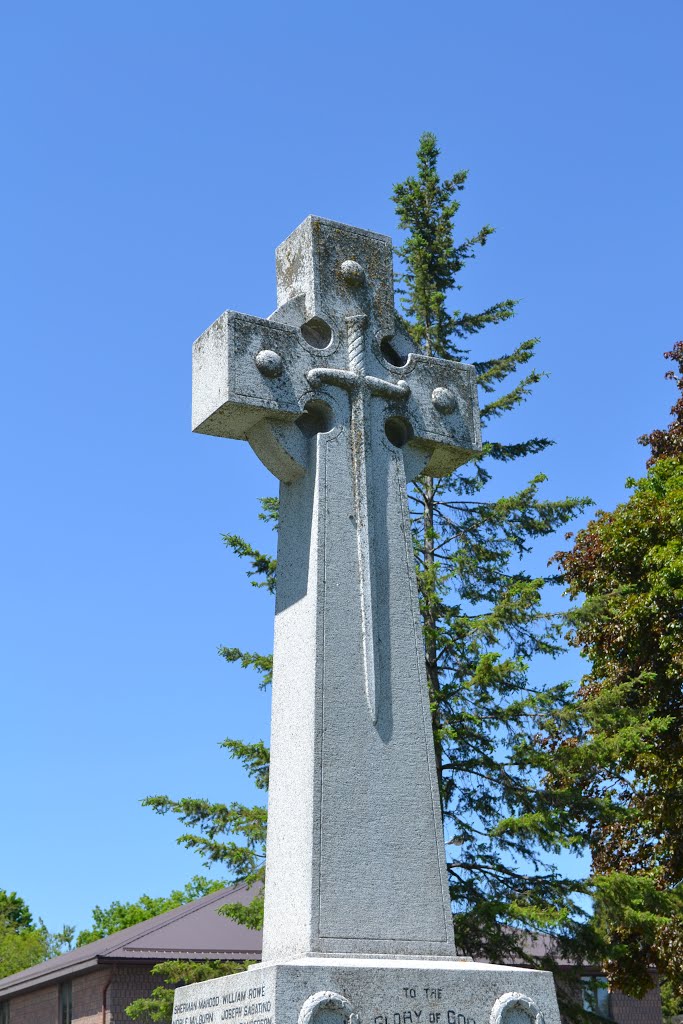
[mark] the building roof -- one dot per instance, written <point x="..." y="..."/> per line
<point x="194" y="931"/>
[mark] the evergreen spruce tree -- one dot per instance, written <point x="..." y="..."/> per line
<point x="483" y="614"/>
<point x="484" y="621"/>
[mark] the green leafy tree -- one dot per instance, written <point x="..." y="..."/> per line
<point x="123" y="915"/>
<point x="22" y="949"/>
<point x="624" y="745"/>
<point x="14" y="911"/>
<point x="672" y="1004"/>
<point x="23" y="942"/>
<point x="485" y="618"/>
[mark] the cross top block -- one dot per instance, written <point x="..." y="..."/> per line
<point x="340" y="271"/>
<point x="335" y="328"/>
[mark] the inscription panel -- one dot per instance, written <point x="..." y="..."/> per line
<point x="249" y="1003"/>
<point x="426" y="1004"/>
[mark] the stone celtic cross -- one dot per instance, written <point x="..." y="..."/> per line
<point x="336" y="402"/>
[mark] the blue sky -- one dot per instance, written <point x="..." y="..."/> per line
<point x="154" y="156"/>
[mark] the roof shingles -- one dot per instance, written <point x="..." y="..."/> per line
<point x="194" y="931"/>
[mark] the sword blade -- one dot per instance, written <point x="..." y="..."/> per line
<point x="359" y="456"/>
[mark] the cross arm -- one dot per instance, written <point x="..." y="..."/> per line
<point x="442" y="412"/>
<point x="244" y="368"/>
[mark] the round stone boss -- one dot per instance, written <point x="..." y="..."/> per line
<point x="327" y="1008"/>
<point x="352" y="272"/>
<point x="268" y="363"/>
<point x="516" y="1008"/>
<point x="444" y="400"/>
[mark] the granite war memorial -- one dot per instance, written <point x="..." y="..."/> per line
<point x="338" y="404"/>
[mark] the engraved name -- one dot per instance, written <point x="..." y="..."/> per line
<point x="242" y="1005"/>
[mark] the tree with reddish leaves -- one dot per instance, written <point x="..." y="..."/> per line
<point x="625" y="747"/>
<point x="668" y="444"/>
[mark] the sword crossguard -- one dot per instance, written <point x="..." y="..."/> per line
<point x="348" y="379"/>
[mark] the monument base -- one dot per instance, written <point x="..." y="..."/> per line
<point x="340" y="990"/>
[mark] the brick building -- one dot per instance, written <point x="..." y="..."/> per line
<point x="594" y="994"/>
<point x="93" y="984"/>
<point x="591" y="990"/>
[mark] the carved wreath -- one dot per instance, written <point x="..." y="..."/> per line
<point x="328" y="1001"/>
<point x="515" y="1000"/>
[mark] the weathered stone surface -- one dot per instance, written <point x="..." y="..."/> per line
<point x="382" y="991"/>
<point x="310" y="332"/>
<point x="341" y="408"/>
<point x="336" y="402"/>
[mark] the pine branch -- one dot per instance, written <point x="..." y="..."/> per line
<point x="262" y="663"/>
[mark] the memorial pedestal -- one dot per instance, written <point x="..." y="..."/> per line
<point x="340" y="990"/>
